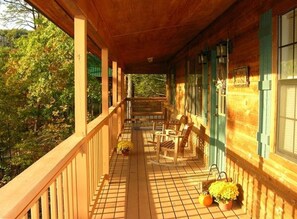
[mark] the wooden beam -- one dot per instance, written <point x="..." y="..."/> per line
<point x="120" y="84"/>
<point x="123" y="105"/>
<point x="119" y="111"/>
<point x="114" y="83"/>
<point x="104" y="58"/>
<point x="105" y="129"/>
<point x="80" y="75"/>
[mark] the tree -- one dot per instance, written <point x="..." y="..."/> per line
<point x="19" y="13"/>
<point x="149" y="85"/>
<point x="37" y="96"/>
<point x="37" y="100"/>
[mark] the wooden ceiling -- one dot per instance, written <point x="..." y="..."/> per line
<point x="134" y="30"/>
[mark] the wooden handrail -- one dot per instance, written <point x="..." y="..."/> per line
<point x="51" y="182"/>
<point x="20" y="194"/>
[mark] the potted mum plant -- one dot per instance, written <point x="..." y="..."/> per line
<point x="224" y="193"/>
<point x="124" y="147"/>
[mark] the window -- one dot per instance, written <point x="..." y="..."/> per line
<point x="194" y="87"/>
<point x="172" y="85"/>
<point x="287" y="104"/>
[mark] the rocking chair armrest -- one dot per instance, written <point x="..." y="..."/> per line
<point x="161" y="134"/>
<point x="169" y="135"/>
<point x="170" y="132"/>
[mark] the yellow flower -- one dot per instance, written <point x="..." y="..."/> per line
<point x="125" y="145"/>
<point x="223" y="191"/>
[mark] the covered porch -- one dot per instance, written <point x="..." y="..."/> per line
<point x="140" y="187"/>
<point x="227" y="70"/>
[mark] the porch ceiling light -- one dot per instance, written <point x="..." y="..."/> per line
<point x="150" y="59"/>
<point x="222" y="50"/>
<point x="203" y="57"/>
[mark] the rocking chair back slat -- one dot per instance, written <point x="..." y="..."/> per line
<point x="176" y="144"/>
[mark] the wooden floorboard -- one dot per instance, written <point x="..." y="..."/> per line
<point x="141" y="188"/>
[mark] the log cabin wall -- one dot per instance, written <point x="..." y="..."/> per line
<point x="180" y="86"/>
<point x="268" y="185"/>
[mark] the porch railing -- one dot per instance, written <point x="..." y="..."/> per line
<point x="146" y="109"/>
<point x="66" y="182"/>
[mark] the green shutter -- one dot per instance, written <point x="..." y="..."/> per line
<point x="212" y="155"/>
<point x="187" y="104"/>
<point x="204" y="92"/>
<point x="172" y="86"/>
<point x="265" y="40"/>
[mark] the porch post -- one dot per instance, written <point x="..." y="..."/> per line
<point x="80" y="83"/>
<point x="104" y="76"/>
<point x="114" y="83"/>
<point x="120" y="84"/>
<point x="114" y="133"/>
<point x="105" y="129"/>
<point x="124" y="95"/>
<point x="80" y="76"/>
<point x="120" y="109"/>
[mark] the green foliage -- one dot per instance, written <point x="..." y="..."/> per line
<point x="19" y="14"/>
<point x="36" y="99"/>
<point x="149" y="85"/>
<point x="94" y="97"/>
<point x="37" y="95"/>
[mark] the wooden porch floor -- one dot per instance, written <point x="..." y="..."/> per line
<point x="142" y="188"/>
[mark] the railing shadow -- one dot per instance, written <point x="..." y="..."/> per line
<point x="271" y="196"/>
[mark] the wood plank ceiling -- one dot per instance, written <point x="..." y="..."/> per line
<point x="134" y="30"/>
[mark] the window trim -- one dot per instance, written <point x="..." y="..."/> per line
<point x="285" y="82"/>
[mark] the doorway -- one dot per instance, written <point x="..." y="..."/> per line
<point x="217" y="151"/>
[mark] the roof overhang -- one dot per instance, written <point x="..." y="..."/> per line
<point x="134" y="30"/>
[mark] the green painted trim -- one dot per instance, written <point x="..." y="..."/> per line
<point x="265" y="43"/>
<point x="94" y="66"/>
<point x="263" y="138"/>
<point x="264" y="85"/>
<point x="173" y="86"/>
<point x="205" y="93"/>
<point x="187" y="69"/>
<point x="213" y="96"/>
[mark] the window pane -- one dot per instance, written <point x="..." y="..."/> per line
<point x="282" y="100"/>
<point x="295" y="143"/>
<point x="295" y="59"/>
<point x="287" y="28"/>
<point x="287" y="106"/>
<point x="295" y="25"/>
<point x="286" y="134"/>
<point x="287" y="62"/>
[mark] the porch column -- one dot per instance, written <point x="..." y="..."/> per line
<point x="124" y="95"/>
<point x="120" y="109"/>
<point x="80" y="83"/>
<point x="105" y="129"/>
<point x="80" y="76"/>
<point x="114" y="83"/>
<point x="104" y="76"/>
<point x="114" y="133"/>
<point x="120" y="84"/>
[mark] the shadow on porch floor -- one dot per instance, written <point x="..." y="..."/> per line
<point x="142" y="188"/>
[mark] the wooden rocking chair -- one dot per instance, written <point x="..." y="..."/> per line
<point x="174" y="126"/>
<point x="174" y="143"/>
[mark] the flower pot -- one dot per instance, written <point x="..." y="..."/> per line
<point x="125" y="152"/>
<point x="225" y="206"/>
